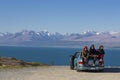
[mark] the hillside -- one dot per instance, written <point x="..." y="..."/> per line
<point x="13" y="62"/>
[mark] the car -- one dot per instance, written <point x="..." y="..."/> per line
<point x="77" y="63"/>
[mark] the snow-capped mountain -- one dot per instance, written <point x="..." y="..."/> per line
<point x="30" y="36"/>
<point x="44" y="37"/>
<point x="94" y="36"/>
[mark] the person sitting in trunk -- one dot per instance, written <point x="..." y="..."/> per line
<point x="85" y="54"/>
<point x="93" y="53"/>
<point x="101" y="53"/>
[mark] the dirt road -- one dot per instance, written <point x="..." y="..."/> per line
<point x="57" y="73"/>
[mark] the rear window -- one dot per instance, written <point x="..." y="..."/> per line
<point x="77" y="54"/>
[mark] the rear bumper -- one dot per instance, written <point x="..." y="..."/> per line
<point x="90" y="68"/>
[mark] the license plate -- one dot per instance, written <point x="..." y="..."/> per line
<point x="92" y="68"/>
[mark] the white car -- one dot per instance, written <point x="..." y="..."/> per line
<point x="77" y="63"/>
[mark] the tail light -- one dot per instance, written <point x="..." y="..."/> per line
<point x="82" y="62"/>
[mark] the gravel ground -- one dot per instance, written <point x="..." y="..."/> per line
<point x="57" y="73"/>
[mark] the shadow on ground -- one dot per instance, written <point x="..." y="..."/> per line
<point x="112" y="70"/>
<point x="107" y="70"/>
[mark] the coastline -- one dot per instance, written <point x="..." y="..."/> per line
<point x="11" y="62"/>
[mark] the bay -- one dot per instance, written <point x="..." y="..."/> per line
<point x="54" y="56"/>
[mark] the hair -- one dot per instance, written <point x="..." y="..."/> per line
<point x="85" y="47"/>
<point x="101" y="46"/>
<point x="92" y="46"/>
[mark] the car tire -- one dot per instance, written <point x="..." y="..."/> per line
<point x="72" y="68"/>
<point x="78" y="70"/>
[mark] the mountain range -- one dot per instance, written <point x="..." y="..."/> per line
<point x="45" y="38"/>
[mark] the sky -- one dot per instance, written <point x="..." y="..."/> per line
<point x="63" y="16"/>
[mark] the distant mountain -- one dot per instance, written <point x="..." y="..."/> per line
<point x="95" y="36"/>
<point x="30" y="36"/>
<point x="45" y="38"/>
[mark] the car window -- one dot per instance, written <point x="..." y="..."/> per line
<point x="77" y="54"/>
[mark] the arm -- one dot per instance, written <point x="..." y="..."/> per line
<point x="82" y="55"/>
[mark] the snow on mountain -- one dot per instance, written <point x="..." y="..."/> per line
<point x="1" y="34"/>
<point x="32" y="36"/>
<point x="113" y="33"/>
<point x="89" y="33"/>
<point x="108" y="38"/>
<point x="45" y="35"/>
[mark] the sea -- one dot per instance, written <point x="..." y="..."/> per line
<point x="54" y="55"/>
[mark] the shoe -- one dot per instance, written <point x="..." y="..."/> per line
<point x="93" y="65"/>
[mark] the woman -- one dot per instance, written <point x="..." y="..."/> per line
<point x="93" y="53"/>
<point x="101" y="53"/>
<point x="85" y="54"/>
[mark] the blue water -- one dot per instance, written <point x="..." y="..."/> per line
<point x="54" y="56"/>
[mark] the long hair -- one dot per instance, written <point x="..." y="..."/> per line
<point x="85" y="49"/>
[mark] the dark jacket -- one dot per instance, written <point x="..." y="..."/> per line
<point x="100" y="51"/>
<point x="93" y="52"/>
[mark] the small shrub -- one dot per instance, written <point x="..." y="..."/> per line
<point x="34" y="64"/>
<point x="13" y="58"/>
<point x="0" y="64"/>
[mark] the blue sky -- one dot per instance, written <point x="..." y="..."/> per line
<point x="63" y="16"/>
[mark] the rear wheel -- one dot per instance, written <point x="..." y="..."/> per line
<point x="71" y="67"/>
<point x="72" y="62"/>
<point x="78" y="70"/>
